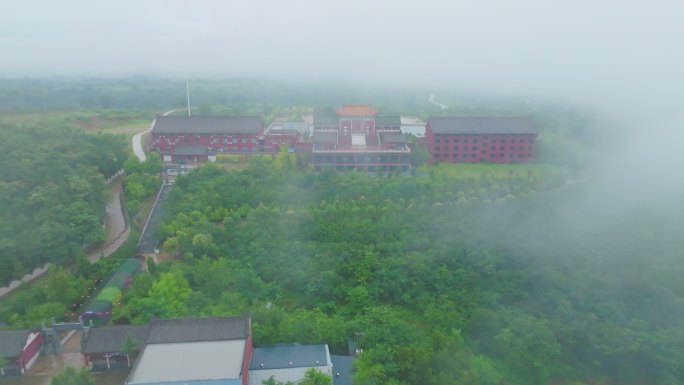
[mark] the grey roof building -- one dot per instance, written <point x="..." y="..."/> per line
<point x="112" y="338"/>
<point x="207" y="125"/>
<point x="12" y="342"/>
<point x="342" y="369"/>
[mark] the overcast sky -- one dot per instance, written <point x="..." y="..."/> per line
<point x="622" y="54"/>
<point x="535" y="45"/>
<point x="622" y="57"/>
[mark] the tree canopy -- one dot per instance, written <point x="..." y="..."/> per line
<point x="52" y="194"/>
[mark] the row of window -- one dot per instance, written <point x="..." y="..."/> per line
<point x="475" y="148"/>
<point x="234" y="140"/>
<point x="446" y="156"/>
<point x="493" y="140"/>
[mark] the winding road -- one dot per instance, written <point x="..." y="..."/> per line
<point x="115" y="223"/>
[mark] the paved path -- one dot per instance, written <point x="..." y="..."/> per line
<point x="137" y="139"/>
<point x="432" y="100"/>
<point x="117" y="228"/>
<point x="148" y="240"/>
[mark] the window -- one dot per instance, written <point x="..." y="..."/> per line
<point x="503" y="140"/>
<point x="465" y="140"/>
<point x="225" y="140"/>
<point x="502" y="148"/>
<point x="437" y="148"/>
<point x="474" y="155"/>
<point x="492" y="148"/>
<point x="455" y="148"/>
<point x="474" y="148"/>
<point x="520" y="148"/>
<point x="511" y="148"/>
<point x="501" y="155"/>
<point x="456" y="140"/>
<point x="436" y="156"/>
<point x="446" y="140"/>
<point x="455" y="155"/>
<point x="484" y="151"/>
<point x="522" y="140"/>
<point x="474" y="140"/>
<point x="465" y="155"/>
<point x="437" y="141"/>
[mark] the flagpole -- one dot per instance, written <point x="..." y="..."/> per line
<point x="187" y="90"/>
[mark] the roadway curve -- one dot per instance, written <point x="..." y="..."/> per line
<point x="116" y="225"/>
<point x="137" y="139"/>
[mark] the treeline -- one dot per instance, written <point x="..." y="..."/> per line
<point x="52" y="194"/>
<point x="492" y="280"/>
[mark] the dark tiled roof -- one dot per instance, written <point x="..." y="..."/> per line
<point x="207" y="125"/>
<point x="482" y="125"/>
<point x="198" y="329"/>
<point x="388" y="120"/>
<point x="392" y="137"/>
<point x="342" y="367"/>
<point x="111" y="338"/>
<point x="12" y="342"/>
<point x="324" y="137"/>
<point x="278" y="357"/>
<point x="190" y="150"/>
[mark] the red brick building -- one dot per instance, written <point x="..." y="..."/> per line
<point x="481" y="139"/>
<point x="355" y="137"/>
<point x="201" y="138"/>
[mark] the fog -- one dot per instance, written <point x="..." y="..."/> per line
<point x="621" y="59"/>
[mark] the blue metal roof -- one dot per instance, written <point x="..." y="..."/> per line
<point x="289" y="356"/>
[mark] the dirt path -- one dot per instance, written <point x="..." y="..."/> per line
<point x="117" y="228"/>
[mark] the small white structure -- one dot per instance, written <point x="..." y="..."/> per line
<point x="412" y="125"/>
<point x="288" y="363"/>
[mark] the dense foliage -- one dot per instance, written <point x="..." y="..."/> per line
<point x="52" y="194"/>
<point x="61" y="292"/>
<point x="71" y="376"/>
<point x="474" y="281"/>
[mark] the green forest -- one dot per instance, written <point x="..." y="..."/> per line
<point x="491" y="280"/>
<point x="52" y="193"/>
<point x="485" y="274"/>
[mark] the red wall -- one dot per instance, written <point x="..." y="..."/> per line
<point x="272" y="142"/>
<point x="248" y="356"/>
<point x="216" y="141"/>
<point x="31" y="350"/>
<point x="476" y="148"/>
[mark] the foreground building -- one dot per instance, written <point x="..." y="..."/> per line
<point x="20" y="350"/>
<point x="195" y="351"/>
<point x="355" y="137"/>
<point x="202" y="138"/>
<point x="481" y="139"/>
<point x="288" y="362"/>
